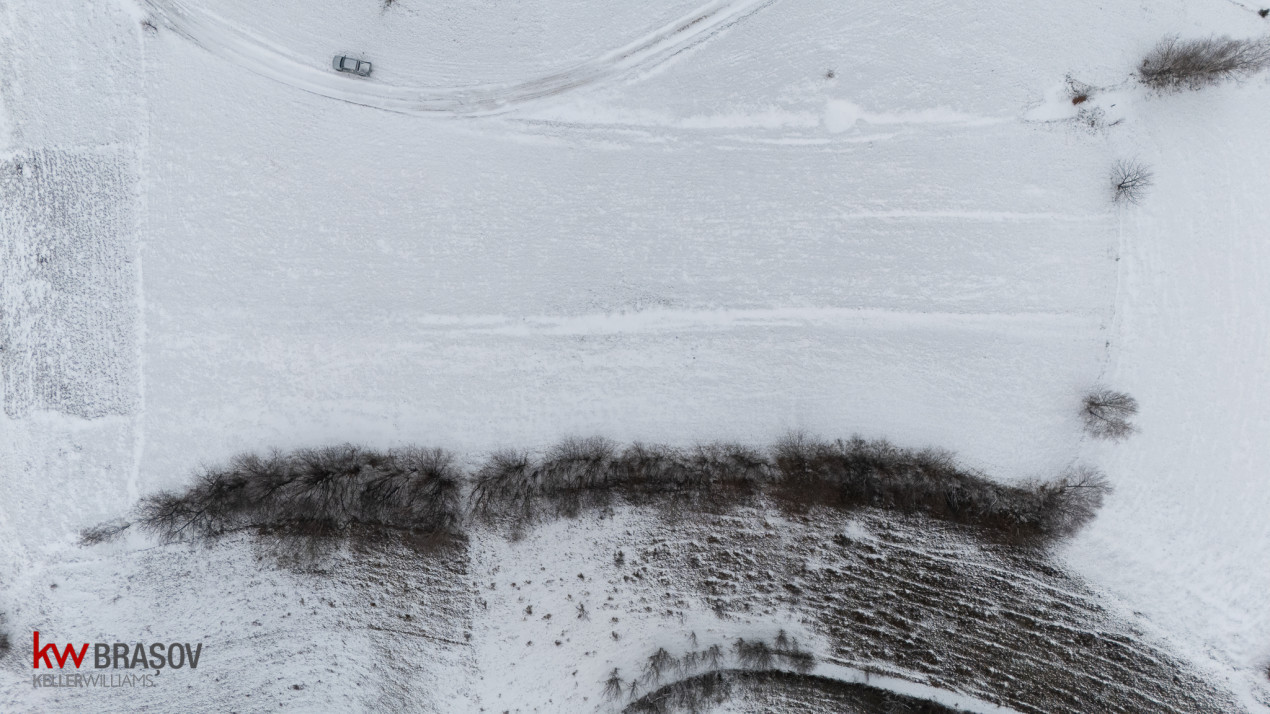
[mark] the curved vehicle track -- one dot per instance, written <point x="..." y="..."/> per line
<point x="256" y="55"/>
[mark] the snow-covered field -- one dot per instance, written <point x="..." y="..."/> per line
<point x="665" y="221"/>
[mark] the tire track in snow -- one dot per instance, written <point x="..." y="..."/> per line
<point x="253" y="53"/>
<point x="704" y="320"/>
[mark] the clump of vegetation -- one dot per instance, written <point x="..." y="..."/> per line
<point x="856" y="472"/>
<point x="697" y="691"/>
<point x="587" y="473"/>
<point x="613" y="685"/>
<point x="5" y="645"/>
<point x="777" y="690"/>
<point x="103" y="532"/>
<point x="1108" y="413"/>
<point x="341" y="490"/>
<point x="1130" y="181"/>
<point x="314" y="492"/>
<point x="1175" y="64"/>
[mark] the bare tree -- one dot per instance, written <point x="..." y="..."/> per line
<point x="1065" y="504"/>
<point x="613" y="685"/>
<point x="755" y="655"/>
<point x="659" y="664"/>
<point x="1175" y="64"/>
<point x="1107" y="414"/>
<point x="1130" y="180"/>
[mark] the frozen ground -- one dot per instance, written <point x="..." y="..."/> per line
<point x="667" y="230"/>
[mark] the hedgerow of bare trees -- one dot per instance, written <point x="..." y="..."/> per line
<point x="588" y="473"/>
<point x="1107" y="414"/>
<point x="1130" y="181"/>
<point x="1175" y="64"/>
<point x="315" y="492"/>
<point x="759" y="670"/>
<point x="856" y="472"/>
<point x="335" y="491"/>
<point x="707" y="679"/>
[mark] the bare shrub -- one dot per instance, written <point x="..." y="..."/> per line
<point x="659" y="663"/>
<point x="1130" y="181"/>
<point x="713" y="656"/>
<point x="1175" y="64"/>
<point x="613" y="685"/>
<point x="794" y="656"/>
<point x="313" y="493"/>
<point x="1107" y="414"/>
<point x="103" y="532"/>
<point x="5" y="645"/>
<point x="1062" y="506"/>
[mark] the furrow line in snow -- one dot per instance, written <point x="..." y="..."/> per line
<point x="688" y="320"/>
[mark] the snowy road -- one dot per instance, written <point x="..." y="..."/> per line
<point x="241" y="47"/>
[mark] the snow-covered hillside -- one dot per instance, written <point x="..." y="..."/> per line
<point x="670" y="221"/>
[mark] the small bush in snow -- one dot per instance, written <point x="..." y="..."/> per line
<point x="1176" y="64"/>
<point x="613" y="685"/>
<point x="103" y="532"/>
<point x="659" y="664"/>
<point x="1130" y="181"/>
<point x="4" y="638"/>
<point x="1108" y="413"/>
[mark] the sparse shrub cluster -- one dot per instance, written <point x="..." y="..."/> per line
<point x="856" y="472"/>
<point x="701" y="678"/>
<point x="314" y="492"/>
<point x="758" y="680"/>
<point x="1175" y="64"/>
<point x="1107" y="414"/>
<point x="779" y="691"/>
<point x="322" y="492"/>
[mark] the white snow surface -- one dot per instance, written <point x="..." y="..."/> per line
<point x="659" y="221"/>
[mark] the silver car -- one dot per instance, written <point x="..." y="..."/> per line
<point x="352" y="65"/>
